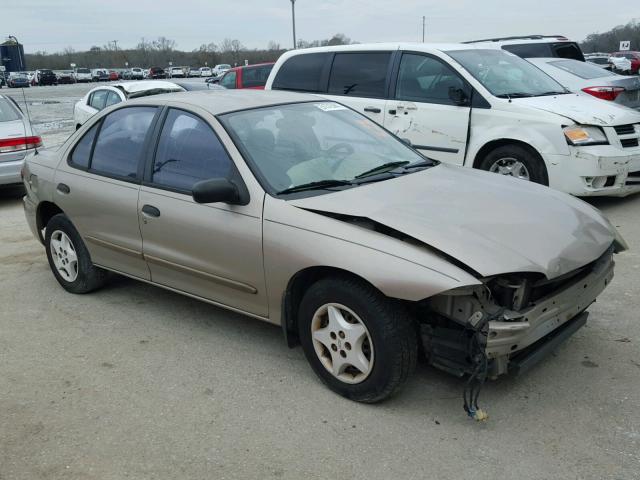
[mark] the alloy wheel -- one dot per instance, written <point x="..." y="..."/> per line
<point x="64" y="256"/>
<point x="511" y="167"/>
<point x="342" y="343"/>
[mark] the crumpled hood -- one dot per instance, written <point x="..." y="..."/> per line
<point x="491" y="223"/>
<point x="583" y="109"/>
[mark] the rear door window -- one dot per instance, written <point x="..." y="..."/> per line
<point x="188" y="152"/>
<point x="256" y="76"/>
<point x="112" y="99"/>
<point x="362" y="74"/>
<point x="82" y="151"/>
<point x="302" y="73"/>
<point x="98" y="99"/>
<point x="8" y="112"/>
<point x="120" y="143"/>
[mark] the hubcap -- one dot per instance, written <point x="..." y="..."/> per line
<point x="342" y="343"/>
<point x="64" y="256"/>
<point x="511" y="167"/>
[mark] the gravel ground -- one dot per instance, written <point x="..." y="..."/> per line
<point x="137" y="382"/>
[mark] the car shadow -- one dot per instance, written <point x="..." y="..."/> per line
<point x="11" y="194"/>
<point x="427" y="389"/>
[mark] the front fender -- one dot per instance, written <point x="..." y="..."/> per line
<point x="295" y="239"/>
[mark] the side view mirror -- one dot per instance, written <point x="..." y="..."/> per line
<point x="216" y="190"/>
<point x="458" y="96"/>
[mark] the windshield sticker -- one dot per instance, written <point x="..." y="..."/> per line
<point x="329" y="106"/>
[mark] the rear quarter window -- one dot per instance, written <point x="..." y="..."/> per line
<point x="302" y="73"/>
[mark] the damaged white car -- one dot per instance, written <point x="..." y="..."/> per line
<point x="478" y="106"/>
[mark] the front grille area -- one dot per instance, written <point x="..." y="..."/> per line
<point x="629" y="142"/>
<point x="625" y="129"/>
<point x="633" y="178"/>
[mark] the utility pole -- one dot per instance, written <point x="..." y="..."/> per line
<point x="293" y="21"/>
<point x="115" y="45"/>
<point x="423" y="27"/>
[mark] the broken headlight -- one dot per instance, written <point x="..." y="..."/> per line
<point x="580" y="135"/>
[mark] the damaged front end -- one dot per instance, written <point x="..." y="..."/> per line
<point x="510" y="322"/>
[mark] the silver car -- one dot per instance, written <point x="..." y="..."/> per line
<point x="17" y="141"/>
<point x="583" y="77"/>
<point x="303" y="213"/>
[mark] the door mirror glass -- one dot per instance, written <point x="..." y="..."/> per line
<point x="216" y="190"/>
<point x="458" y="96"/>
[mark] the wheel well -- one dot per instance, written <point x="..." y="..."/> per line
<point x="46" y="210"/>
<point x="484" y="151"/>
<point x="298" y="285"/>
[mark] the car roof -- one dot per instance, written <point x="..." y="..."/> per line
<point x="224" y="101"/>
<point x="523" y="39"/>
<point x="133" y="87"/>
<point x="359" y="47"/>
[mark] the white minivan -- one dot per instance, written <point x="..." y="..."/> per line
<point x="478" y="107"/>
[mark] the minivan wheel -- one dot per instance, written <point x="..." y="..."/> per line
<point x="69" y="258"/>
<point x="360" y="343"/>
<point x="516" y="161"/>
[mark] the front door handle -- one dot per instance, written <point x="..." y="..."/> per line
<point x="63" y="188"/>
<point x="372" y="109"/>
<point x="150" y="211"/>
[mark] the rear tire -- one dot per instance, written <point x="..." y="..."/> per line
<point x="69" y="258"/>
<point x="371" y="331"/>
<point x="517" y="161"/>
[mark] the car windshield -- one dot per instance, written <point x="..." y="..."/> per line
<point x="318" y="144"/>
<point x="581" y="69"/>
<point x="505" y="74"/>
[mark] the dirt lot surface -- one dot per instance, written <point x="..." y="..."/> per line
<point x="136" y="382"/>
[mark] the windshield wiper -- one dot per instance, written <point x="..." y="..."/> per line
<point x="382" y="168"/>
<point x="514" y="95"/>
<point x="318" y="185"/>
<point x="552" y="92"/>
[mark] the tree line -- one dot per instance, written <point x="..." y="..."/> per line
<point x="161" y="51"/>
<point x="610" y="41"/>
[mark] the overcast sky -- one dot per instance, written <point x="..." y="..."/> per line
<point x="52" y="25"/>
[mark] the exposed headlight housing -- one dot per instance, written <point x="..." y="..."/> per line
<point x="580" y="135"/>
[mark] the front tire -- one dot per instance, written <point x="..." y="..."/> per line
<point x="516" y="161"/>
<point x="69" y="258"/>
<point x="360" y="343"/>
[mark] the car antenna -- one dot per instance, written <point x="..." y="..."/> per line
<point x="26" y="107"/>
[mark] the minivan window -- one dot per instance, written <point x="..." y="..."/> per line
<point x="256" y="76"/>
<point x="82" y="151"/>
<point x="426" y="79"/>
<point x="302" y="73"/>
<point x="188" y="152"/>
<point x="506" y="75"/>
<point x="530" y="50"/>
<point x="362" y="74"/>
<point x="568" y="50"/>
<point x="119" y="145"/>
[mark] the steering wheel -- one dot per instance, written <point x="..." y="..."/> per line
<point x="340" y="151"/>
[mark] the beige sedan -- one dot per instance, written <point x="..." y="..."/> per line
<point x="303" y="213"/>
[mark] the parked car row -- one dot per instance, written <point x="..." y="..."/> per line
<point x="627" y="63"/>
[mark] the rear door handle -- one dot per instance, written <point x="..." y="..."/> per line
<point x="372" y="109"/>
<point x="63" y="188"/>
<point x="150" y="211"/>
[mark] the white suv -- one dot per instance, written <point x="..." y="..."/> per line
<point x="220" y="69"/>
<point x="478" y="107"/>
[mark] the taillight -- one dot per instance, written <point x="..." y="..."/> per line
<point x="19" y="143"/>
<point x="604" y="93"/>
